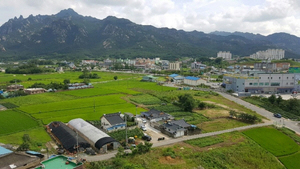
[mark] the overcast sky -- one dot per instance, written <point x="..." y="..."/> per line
<point x="255" y="16"/>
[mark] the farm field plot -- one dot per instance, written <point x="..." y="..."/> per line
<point x="86" y="113"/>
<point x="38" y="99"/>
<point x="220" y="124"/>
<point x="73" y="104"/>
<point x="273" y="140"/>
<point x="37" y="134"/>
<point x="145" y="99"/>
<point x="12" y="121"/>
<point x="89" y="92"/>
<point x="291" y="161"/>
<point x="234" y="151"/>
<point x="189" y="117"/>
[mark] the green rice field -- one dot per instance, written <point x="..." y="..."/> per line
<point x="12" y="122"/>
<point x="291" y="161"/>
<point x="273" y="140"/>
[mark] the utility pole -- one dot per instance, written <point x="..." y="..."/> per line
<point x="126" y="130"/>
<point x="77" y="146"/>
<point x="136" y="110"/>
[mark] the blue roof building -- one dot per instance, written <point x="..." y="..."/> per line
<point x="192" y="78"/>
<point x="173" y="75"/>
<point x="193" y="81"/>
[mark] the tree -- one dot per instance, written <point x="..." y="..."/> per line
<point x="115" y="77"/>
<point x="187" y="102"/>
<point x="279" y="100"/>
<point x="272" y="99"/>
<point x="66" y="81"/>
<point x="201" y="105"/>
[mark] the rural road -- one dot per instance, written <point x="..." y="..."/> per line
<point x="282" y="121"/>
<point x="286" y="122"/>
<point x="172" y="141"/>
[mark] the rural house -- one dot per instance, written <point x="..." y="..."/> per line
<point x="112" y="122"/>
<point x="34" y="90"/>
<point x="155" y="115"/>
<point x="173" y="130"/>
<point x="14" y="87"/>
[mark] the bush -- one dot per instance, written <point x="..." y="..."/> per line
<point x="169" y="152"/>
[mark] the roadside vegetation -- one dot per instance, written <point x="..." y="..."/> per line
<point x="287" y="108"/>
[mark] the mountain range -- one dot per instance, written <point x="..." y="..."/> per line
<point x="68" y="35"/>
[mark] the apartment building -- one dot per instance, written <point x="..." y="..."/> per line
<point x="174" y="66"/>
<point x="225" y="55"/>
<point x="270" y="54"/>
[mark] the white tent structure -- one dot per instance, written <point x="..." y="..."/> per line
<point x="95" y="136"/>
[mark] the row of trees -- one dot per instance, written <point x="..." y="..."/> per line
<point x="27" y="69"/>
<point x="87" y="75"/>
<point x="243" y="116"/>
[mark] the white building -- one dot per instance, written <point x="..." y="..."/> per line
<point x="193" y="81"/>
<point x="225" y="55"/>
<point x="97" y="138"/>
<point x="270" y="54"/>
<point x="174" y="66"/>
<point x="262" y="83"/>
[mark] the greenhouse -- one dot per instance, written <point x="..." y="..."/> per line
<point x="67" y="137"/>
<point x="96" y="137"/>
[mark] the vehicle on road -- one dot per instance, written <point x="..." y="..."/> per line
<point x="277" y="115"/>
<point x="147" y="138"/>
<point x="143" y="128"/>
<point x="161" y="138"/>
<point x="144" y="121"/>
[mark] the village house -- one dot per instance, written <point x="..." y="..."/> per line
<point x="34" y="90"/>
<point x="14" y="87"/>
<point x="112" y="122"/>
<point x="155" y="115"/>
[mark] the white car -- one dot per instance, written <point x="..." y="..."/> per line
<point x="143" y="128"/>
<point x="144" y="121"/>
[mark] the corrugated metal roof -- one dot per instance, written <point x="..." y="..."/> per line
<point x="4" y="151"/>
<point x="192" y="78"/>
<point x="88" y="130"/>
<point x="173" y="75"/>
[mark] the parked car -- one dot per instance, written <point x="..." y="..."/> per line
<point x="147" y="138"/>
<point x="143" y="128"/>
<point x="161" y="138"/>
<point x="144" y="121"/>
<point x="277" y="115"/>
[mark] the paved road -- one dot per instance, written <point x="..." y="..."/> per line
<point x="282" y="121"/>
<point x="172" y="141"/>
<point x="273" y="120"/>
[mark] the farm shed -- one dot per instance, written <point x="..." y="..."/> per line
<point x="97" y="138"/>
<point x="67" y="137"/>
<point x="193" y="81"/>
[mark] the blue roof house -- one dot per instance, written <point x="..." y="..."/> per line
<point x="193" y="81"/>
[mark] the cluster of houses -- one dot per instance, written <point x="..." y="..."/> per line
<point x="16" y="87"/>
